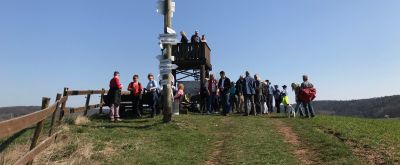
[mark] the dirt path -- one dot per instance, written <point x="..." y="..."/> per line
<point x="217" y="156"/>
<point x="301" y="153"/>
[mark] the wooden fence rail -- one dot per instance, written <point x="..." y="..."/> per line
<point x="15" y="125"/>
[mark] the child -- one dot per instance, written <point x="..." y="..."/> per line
<point x="136" y="90"/>
<point x="177" y="99"/>
<point x="285" y="98"/>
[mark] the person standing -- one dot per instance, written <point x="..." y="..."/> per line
<point x="232" y="97"/>
<point x="264" y="106"/>
<point x="224" y="85"/>
<point x="285" y="98"/>
<point x="239" y="94"/>
<point x="184" y="38"/>
<point x="136" y="90"/>
<point x="249" y="92"/>
<point x="178" y="99"/>
<point x="203" y="38"/>
<point x="152" y="89"/>
<point x="307" y="104"/>
<point x="212" y="89"/>
<point x="270" y="96"/>
<point x="114" y="95"/>
<point x="278" y="98"/>
<point x="195" y="38"/>
<point x="258" y="95"/>
<point x="296" y="90"/>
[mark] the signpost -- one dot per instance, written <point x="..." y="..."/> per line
<point x="166" y="8"/>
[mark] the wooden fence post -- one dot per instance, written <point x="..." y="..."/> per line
<point x="65" y="94"/>
<point x="87" y="105"/>
<point x="39" y="127"/>
<point x="101" y="100"/>
<point x="53" y="118"/>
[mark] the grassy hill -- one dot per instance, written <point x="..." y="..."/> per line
<point x="372" y="108"/>
<point x="198" y="139"/>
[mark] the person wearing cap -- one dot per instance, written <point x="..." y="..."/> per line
<point x="248" y="93"/>
<point x="278" y="98"/>
<point x="152" y="89"/>
<point x="224" y="85"/>
<point x="114" y="96"/>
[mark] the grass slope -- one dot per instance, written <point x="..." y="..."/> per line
<point x="196" y="139"/>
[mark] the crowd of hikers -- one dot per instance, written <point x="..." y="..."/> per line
<point x="248" y="96"/>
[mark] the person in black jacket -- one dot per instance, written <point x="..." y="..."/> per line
<point x="224" y="85"/>
<point x="239" y="93"/>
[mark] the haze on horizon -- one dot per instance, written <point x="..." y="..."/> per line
<point x="350" y="49"/>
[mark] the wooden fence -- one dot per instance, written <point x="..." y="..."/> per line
<point x="15" y="125"/>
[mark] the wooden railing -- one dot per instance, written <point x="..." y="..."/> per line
<point x="191" y="54"/>
<point x="15" y="125"/>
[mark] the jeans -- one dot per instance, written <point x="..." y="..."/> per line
<point x="298" y="108"/>
<point x="136" y="106"/>
<point x="308" y="109"/>
<point x="240" y="103"/>
<point x="211" y="102"/>
<point x="278" y="105"/>
<point x="257" y="101"/>
<point x="269" y="103"/>
<point x="225" y="102"/>
<point x="250" y="98"/>
<point x="233" y="103"/>
<point x="114" y="112"/>
<point x="153" y="103"/>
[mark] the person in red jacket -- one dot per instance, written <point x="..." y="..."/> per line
<point x="136" y="90"/>
<point x="114" y="95"/>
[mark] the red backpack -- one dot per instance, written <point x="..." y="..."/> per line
<point x="307" y="94"/>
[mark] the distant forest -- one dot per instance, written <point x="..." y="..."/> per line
<point x="380" y="107"/>
<point x="370" y="108"/>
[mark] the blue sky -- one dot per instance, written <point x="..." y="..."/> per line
<point x="350" y="49"/>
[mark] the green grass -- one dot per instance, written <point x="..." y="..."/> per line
<point x="195" y="139"/>
<point x="190" y="139"/>
<point x="331" y="135"/>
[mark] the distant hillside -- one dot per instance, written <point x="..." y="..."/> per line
<point x="10" y="112"/>
<point x="372" y="108"/>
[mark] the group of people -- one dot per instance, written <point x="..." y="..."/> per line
<point x="194" y="39"/>
<point x="137" y="94"/>
<point x="248" y="95"/>
<point x="251" y="95"/>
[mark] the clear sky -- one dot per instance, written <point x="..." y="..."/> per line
<point x="349" y="48"/>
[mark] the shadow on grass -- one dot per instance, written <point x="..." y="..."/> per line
<point x="4" y="144"/>
<point x="278" y="117"/>
<point x="116" y="125"/>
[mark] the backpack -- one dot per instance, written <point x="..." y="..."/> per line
<point x="307" y="94"/>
